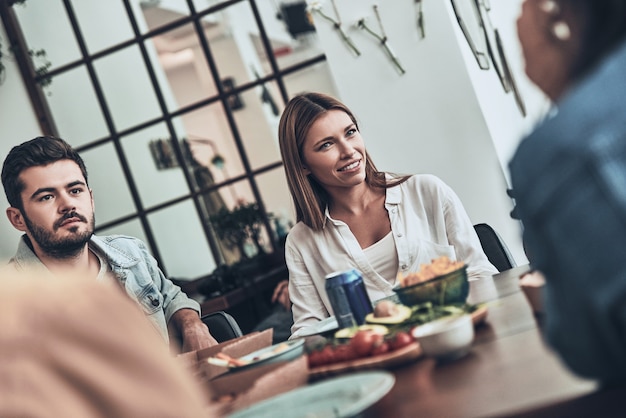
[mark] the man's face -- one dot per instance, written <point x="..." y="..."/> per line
<point x="58" y="211"/>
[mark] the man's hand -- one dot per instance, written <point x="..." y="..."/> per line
<point x="194" y="333"/>
<point x="281" y="294"/>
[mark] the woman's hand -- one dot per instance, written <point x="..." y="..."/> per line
<point x="281" y="294"/>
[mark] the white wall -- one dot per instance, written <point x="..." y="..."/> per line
<point x="445" y="115"/>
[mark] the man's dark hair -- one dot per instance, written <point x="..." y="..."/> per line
<point x="39" y="151"/>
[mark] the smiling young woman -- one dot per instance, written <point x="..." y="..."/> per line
<point x="350" y="215"/>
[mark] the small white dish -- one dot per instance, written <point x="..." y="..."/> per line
<point x="447" y="338"/>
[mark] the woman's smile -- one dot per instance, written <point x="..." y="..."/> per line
<point x="351" y="166"/>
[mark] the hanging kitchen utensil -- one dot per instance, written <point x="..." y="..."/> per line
<point x="420" y="19"/>
<point x="469" y="22"/>
<point x="489" y="33"/>
<point x="509" y="75"/>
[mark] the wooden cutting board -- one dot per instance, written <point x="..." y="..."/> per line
<point x="391" y="359"/>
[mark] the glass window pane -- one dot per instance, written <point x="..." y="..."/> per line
<point x="132" y="228"/>
<point x="154" y="166"/>
<point x="213" y="202"/>
<point x="129" y="92"/>
<point x="257" y="122"/>
<point x="106" y="178"/>
<point x="182" y="244"/>
<point x="45" y="26"/>
<point x="95" y="19"/>
<point x="209" y="137"/>
<point x="201" y="5"/>
<point x="276" y="198"/>
<point x="234" y="50"/>
<point x="161" y="13"/>
<point x="184" y="65"/>
<point x="229" y="195"/>
<point x="75" y="107"/>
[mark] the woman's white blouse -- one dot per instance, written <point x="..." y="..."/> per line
<point x="427" y="221"/>
<point x="382" y="257"/>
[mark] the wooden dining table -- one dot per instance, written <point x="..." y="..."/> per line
<point x="509" y="371"/>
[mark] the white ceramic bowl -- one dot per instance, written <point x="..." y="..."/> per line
<point x="446" y="338"/>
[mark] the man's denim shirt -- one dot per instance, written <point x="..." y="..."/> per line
<point x="135" y="269"/>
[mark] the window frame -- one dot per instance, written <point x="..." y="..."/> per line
<point x="37" y="96"/>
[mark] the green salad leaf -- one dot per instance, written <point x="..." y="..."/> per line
<point x="427" y="312"/>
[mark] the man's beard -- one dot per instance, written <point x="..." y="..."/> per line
<point x="61" y="248"/>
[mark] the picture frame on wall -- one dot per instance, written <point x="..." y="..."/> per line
<point x="163" y="154"/>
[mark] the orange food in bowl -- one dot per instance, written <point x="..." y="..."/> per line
<point x="438" y="267"/>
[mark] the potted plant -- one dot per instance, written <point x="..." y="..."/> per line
<point x="240" y="225"/>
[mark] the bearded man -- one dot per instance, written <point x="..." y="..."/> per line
<point x="45" y="181"/>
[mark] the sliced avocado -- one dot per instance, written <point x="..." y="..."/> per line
<point x="347" y="333"/>
<point x="404" y="312"/>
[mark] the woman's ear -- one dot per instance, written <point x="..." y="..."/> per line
<point x="16" y="218"/>
<point x="306" y="171"/>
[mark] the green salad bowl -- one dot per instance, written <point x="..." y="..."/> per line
<point x="446" y="289"/>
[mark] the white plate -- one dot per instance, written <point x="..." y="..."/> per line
<point x="326" y="324"/>
<point x="343" y="396"/>
<point x="284" y="351"/>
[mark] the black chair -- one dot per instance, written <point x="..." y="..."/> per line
<point x="495" y="249"/>
<point x="223" y="326"/>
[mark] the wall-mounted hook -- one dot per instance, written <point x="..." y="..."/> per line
<point x="382" y="38"/>
<point x="317" y="7"/>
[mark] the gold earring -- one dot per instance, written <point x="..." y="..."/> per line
<point x="561" y="31"/>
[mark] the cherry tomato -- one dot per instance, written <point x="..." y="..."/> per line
<point x="382" y="348"/>
<point x="327" y="355"/>
<point x="364" y="342"/>
<point x="313" y="359"/>
<point x="401" y="339"/>
<point x="345" y="352"/>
